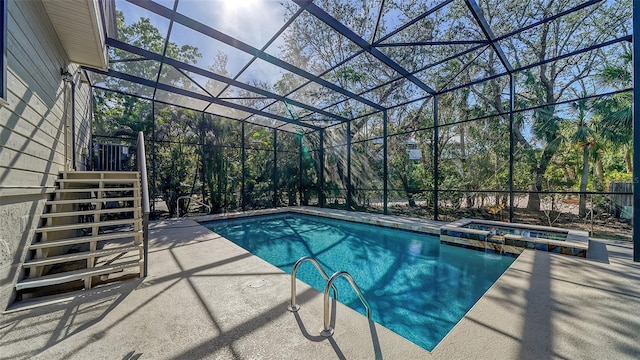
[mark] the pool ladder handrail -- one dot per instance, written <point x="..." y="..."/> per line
<point x="328" y="330"/>
<point x="293" y="307"/>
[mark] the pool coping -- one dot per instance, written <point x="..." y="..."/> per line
<point x="404" y="223"/>
<point x="576" y="243"/>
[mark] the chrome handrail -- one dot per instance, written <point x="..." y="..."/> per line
<point x="292" y="305"/>
<point x="328" y="330"/>
<point x="142" y="168"/>
<point x="192" y="198"/>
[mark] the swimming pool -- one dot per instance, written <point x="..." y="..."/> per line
<point x="415" y="286"/>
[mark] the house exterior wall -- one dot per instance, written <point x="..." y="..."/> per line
<point x="33" y="122"/>
<point x="83" y="120"/>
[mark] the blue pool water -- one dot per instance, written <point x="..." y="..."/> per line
<point x="415" y="286"/>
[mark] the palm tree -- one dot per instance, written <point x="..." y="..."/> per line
<point x="584" y="138"/>
<point x="614" y="112"/>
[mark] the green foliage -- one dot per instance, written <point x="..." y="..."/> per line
<point x="555" y="146"/>
<point x="615" y="114"/>
<point x="144" y="35"/>
<point x="123" y="116"/>
<point x="618" y="177"/>
<point x="347" y="75"/>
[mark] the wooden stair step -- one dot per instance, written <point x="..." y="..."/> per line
<point x="89" y="212"/>
<point x="87" y="225"/>
<point x="69" y="276"/>
<point x="92" y="200"/>
<point x="79" y="256"/>
<point x="85" y="239"/>
<point x="100" y="175"/>
<point x="42" y="301"/>
<point x="90" y="172"/>
<point x="94" y="181"/>
<point x="95" y="189"/>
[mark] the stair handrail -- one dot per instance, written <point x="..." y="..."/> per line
<point x="328" y="330"/>
<point x="191" y="198"/>
<point x="293" y="307"/>
<point x="142" y="168"/>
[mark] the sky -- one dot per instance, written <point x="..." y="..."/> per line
<point x="251" y="21"/>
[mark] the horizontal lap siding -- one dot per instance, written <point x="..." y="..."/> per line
<point x="44" y="49"/>
<point x="32" y="128"/>
<point x="33" y="119"/>
<point x="84" y="114"/>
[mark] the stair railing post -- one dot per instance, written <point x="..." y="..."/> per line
<point x="142" y="168"/>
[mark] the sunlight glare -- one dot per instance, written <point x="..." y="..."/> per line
<point x="233" y="6"/>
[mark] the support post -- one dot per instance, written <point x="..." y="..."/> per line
<point x="349" y="199"/>
<point x="385" y="164"/>
<point x="300" y="171"/>
<point x="203" y="165"/>
<point x="636" y="134"/>
<point x="243" y="159"/>
<point x="141" y="159"/>
<point x="275" y="168"/>
<point x="153" y="157"/>
<point x="73" y="125"/>
<point x="436" y="161"/>
<point x="511" y="143"/>
<point x="92" y="117"/>
<point x="321" y="196"/>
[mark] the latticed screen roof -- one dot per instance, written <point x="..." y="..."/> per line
<point x="303" y="65"/>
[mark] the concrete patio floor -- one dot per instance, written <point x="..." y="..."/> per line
<point x="197" y="303"/>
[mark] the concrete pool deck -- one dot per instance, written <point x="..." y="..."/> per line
<point x="202" y="300"/>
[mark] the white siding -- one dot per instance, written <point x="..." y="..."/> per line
<point x="32" y="126"/>
<point x="84" y="116"/>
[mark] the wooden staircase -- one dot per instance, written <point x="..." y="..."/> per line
<point x="90" y="234"/>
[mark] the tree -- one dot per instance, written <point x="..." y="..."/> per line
<point x="614" y="112"/>
<point x="584" y="139"/>
<point x="220" y="162"/>
<point x="549" y="82"/>
<point x="123" y="116"/>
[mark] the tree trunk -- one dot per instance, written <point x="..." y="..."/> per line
<point x="534" y="195"/>
<point x="627" y="161"/>
<point x="534" y="198"/>
<point x="412" y="201"/>
<point x="599" y="175"/>
<point x="543" y="163"/>
<point x="407" y="190"/>
<point x="463" y="160"/>
<point x="582" y="209"/>
<point x="222" y="180"/>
